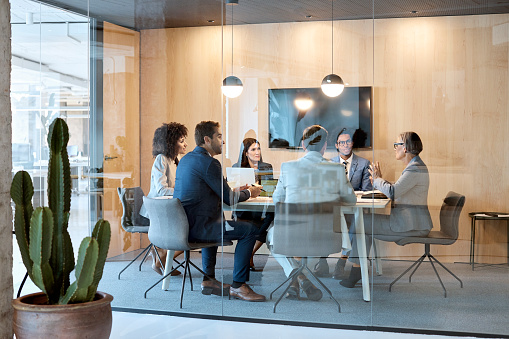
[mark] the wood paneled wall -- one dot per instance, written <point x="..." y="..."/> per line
<point x="445" y="78"/>
<point x="121" y="127"/>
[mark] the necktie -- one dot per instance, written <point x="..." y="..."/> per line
<point x="346" y="167"/>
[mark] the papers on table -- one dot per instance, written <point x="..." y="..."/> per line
<point x="491" y="215"/>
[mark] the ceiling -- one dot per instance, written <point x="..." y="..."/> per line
<point x="147" y="14"/>
<point x="65" y="30"/>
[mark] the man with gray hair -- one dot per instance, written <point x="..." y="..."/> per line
<point x="300" y="182"/>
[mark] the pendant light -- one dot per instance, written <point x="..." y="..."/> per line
<point x="232" y="86"/>
<point x="332" y="84"/>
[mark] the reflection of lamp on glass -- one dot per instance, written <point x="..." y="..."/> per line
<point x="232" y="86"/>
<point x="303" y="101"/>
<point x="332" y="84"/>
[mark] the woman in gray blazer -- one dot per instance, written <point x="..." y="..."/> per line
<point x="169" y="142"/>
<point x="409" y="215"/>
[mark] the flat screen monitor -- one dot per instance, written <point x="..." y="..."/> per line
<point x="291" y="110"/>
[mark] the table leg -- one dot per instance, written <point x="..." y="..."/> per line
<point x="167" y="269"/>
<point x="472" y="243"/>
<point x="363" y="257"/>
<point x="507" y="242"/>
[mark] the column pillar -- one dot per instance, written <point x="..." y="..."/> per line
<point x="5" y="173"/>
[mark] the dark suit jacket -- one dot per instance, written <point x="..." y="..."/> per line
<point x="264" y="171"/>
<point x="201" y="187"/>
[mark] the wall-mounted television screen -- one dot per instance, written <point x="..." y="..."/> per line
<point x="291" y="110"/>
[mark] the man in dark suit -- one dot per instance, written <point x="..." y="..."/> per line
<point x="358" y="174"/>
<point x="201" y="187"/>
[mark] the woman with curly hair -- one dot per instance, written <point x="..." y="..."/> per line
<point x="169" y="142"/>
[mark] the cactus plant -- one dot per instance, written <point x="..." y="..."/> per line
<point x="42" y="236"/>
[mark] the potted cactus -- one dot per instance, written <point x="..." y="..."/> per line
<point x="63" y="309"/>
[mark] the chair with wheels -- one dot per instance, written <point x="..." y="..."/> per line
<point x="304" y="230"/>
<point x="132" y="221"/>
<point x="448" y="234"/>
<point x="169" y="230"/>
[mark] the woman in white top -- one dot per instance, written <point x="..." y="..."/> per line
<point x="169" y="142"/>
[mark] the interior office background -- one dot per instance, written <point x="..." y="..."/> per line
<point x="441" y="72"/>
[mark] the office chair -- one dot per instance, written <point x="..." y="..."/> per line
<point x="169" y="230"/>
<point x="304" y="230"/>
<point x="448" y="234"/>
<point x="132" y="221"/>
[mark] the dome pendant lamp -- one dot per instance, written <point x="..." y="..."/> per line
<point x="332" y="84"/>
<point x="232" y="86"/>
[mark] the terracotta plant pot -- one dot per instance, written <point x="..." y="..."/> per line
<point x="34" y="319"/>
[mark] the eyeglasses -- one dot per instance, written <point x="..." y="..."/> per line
<point x="344" y="143"/>
<point x="396" y="144"/>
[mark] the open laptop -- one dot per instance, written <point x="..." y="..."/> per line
<point x="238" y="176"/>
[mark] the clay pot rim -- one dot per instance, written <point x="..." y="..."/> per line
<point x="21" y="303"/>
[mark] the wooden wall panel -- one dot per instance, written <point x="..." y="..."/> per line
<point x="121" y="127"/>
<point x="445" y="78"/>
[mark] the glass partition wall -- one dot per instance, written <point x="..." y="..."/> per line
<point x="50" y="79"/>
<point x="282" y="65"/>
<point x="438" y="72"/>
<point x="445" y="77"/>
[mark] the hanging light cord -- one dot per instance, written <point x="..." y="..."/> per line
<point x="232" y="37"/>
<point x="332" y="30"/>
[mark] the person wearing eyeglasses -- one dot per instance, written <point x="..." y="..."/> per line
<point x="358" y="174"/>
<point x="409" y="194"/>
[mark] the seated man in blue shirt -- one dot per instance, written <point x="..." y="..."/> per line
<point x="358" y="174"/>
<point x="201" y="187"/>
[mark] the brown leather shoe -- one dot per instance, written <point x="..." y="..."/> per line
<point x="245" y="292"/>
<point x="214" y="287"/>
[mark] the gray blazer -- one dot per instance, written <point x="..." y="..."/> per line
<point x="410" y="198"/>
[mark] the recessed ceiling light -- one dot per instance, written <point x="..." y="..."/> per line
<point x="309" y="16"/>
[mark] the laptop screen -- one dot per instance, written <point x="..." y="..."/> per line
<point x="238" y="176"/>
<point x="268" y="186"/>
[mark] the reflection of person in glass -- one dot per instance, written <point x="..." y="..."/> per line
<point x="295" y="185"/>
<point x="169" y="142"/>
<point x="409" y="215"/>
<point x="251" y="157"/>
<point x="357" y="171"/>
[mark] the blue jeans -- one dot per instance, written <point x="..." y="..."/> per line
<point x="245" y="233"/>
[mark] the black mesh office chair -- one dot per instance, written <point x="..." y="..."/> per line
<point x="132" y="221"/>
<point x="448" y="234"/>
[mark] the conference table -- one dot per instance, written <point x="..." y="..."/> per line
<point x="260" y="204"/>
